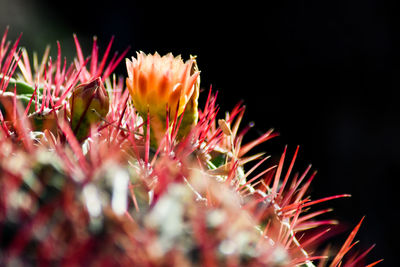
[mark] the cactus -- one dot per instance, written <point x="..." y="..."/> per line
<point x="147" y="177"/>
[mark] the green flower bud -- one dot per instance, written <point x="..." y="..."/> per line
<point x="89" y="103"/>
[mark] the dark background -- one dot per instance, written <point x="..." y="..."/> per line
<point x="325" y="74"/>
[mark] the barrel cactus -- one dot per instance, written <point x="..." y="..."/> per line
<point x="101" y="170"/>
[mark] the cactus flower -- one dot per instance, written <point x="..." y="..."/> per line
<point x="156" y="83"/>
<point x="89" y="103"/>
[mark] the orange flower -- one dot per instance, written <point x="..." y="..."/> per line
<point x="156" y="82"/>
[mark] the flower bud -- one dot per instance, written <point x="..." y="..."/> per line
<point x="89" y="103"/>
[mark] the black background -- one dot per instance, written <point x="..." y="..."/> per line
<point x="325" y="74"/>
